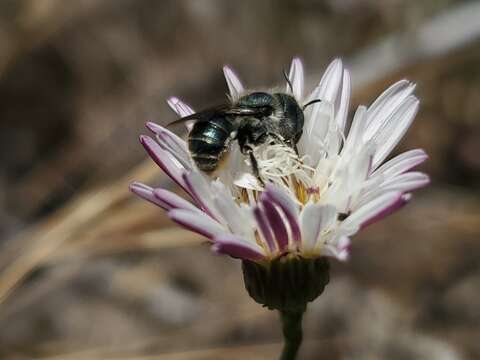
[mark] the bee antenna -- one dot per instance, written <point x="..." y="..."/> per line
<point x="288" y="80"/>
<point x="311" y="103"/>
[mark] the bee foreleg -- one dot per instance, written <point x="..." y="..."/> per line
<point x="255" y="170"/>
<point x="295" y="147"/>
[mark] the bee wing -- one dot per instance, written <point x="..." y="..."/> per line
<point x="241" y="111"/>
<point x="207" y="114"/>
<point x="203" y="115"/>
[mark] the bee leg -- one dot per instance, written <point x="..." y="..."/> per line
<point x="295" y="147"/>
<point x="255" y="168"/>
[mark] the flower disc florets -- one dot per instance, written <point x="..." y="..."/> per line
<point x="281" y="165"/>
<point x="313" y="197"/>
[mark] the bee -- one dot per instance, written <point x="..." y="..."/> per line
<point x="254" y="119"/>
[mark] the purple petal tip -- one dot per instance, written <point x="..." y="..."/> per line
<point x="144" y="139"/>
<point x="134" y="186"/>
<point x="396" y="205"/>
<point x="153" y="127"/>
<point x="229" y="245"/>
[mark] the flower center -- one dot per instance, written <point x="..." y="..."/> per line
<point x="281" y="165"/>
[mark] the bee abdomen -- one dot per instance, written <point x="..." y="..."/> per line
<point x="206" y="152"/>
<point x="208" y="142"/>
<point x="206" y="163"/>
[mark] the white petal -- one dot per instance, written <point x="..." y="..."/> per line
<point x="282" y="198"/>
<point x="309" y="117"/>
<point x="370" y="210"/>
<point x="173" y="201"/>
<point x="378" y="185"/>
<point x="181" y="109"/>
<point x="167" y="162"/>
<point x="369" y="190"/>
<point x="237" y="247"/>
<point x="264" y="226"/>
<point x="331" y="81"/>
<point x="278" y="223"/>
<point x="358" y="170"/>
<point x="342" y="113"/>
<point x="233" y="168"/>
<point x="340" y="249"/>
<point x="248" y="181"/>
<point x="401" y="201"/>
<point x="172" y="143"/>
<point x="200" y="190"/>
<point x="288" y="207"/>
<point x="391" y="132"/>
<point x="406" y="182"/>
<point x="198" y="222"/>
<point x="386" y="103"/>
<point x="231" y="212"/>
<point x="296" y="78"/>
<point x="319" y="124"/>
<point x="349" y="177"/>
<point x="146" y="193"/>
<point x="379" y="191"/>
<point x="314" y="219"/>
<point x="354" y="138"/>
<point x="402" y="163"/>
<point x="235" y="87"/>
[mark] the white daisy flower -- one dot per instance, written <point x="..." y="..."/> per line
<point x="313" y="200"/>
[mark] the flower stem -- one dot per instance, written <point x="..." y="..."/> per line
<point x="292" y="332"/>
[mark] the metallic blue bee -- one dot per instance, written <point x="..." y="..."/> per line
<point x="256" y="118"/>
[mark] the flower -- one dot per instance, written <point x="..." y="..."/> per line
<point x="313" y="201"/>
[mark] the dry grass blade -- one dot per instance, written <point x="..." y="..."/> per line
<point x="240" y="352"/>
<point x="263" y="351"/>
<point x="67" y="225"/>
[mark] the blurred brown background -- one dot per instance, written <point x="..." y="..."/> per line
<point x="89" y="272"/>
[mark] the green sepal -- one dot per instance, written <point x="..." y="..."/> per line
<point x="287" y="283"/>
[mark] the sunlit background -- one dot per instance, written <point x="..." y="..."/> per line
<point x="87" y="271"/>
